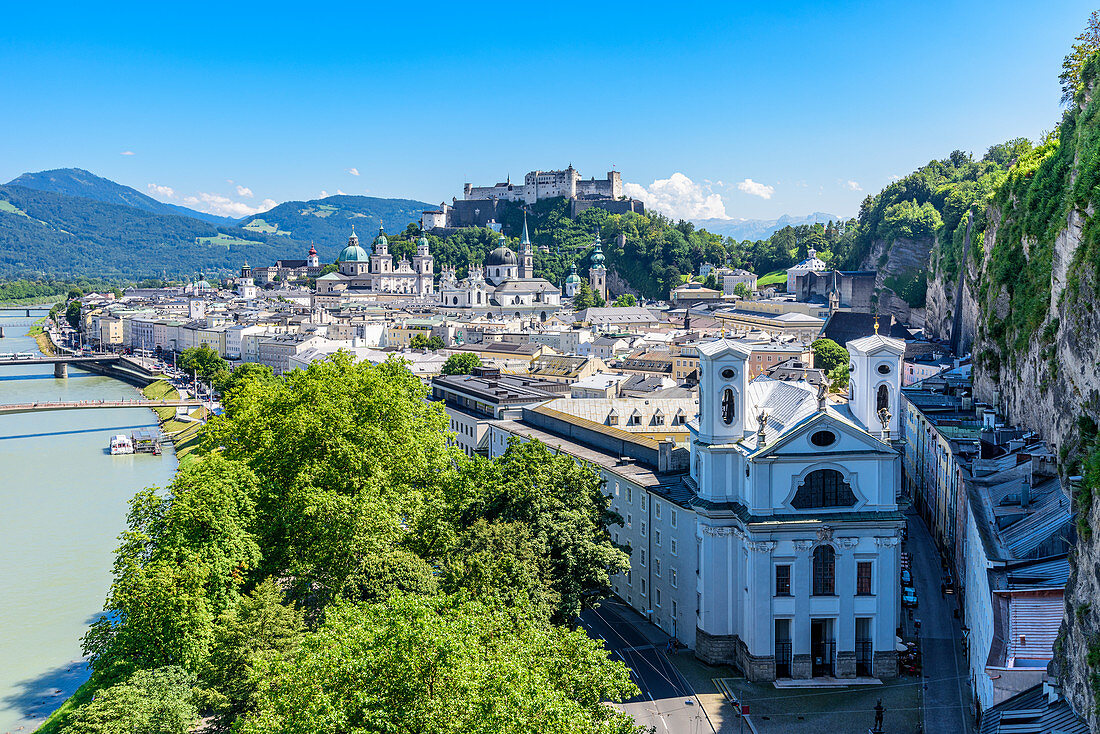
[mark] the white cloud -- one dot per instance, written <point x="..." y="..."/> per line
<point x="755" y="188"/>
<point x="244" y="191"/>
<point x="165" y="192"/>
<point x="341" y="192"/>
<point x="895" y="177"/>
<point x="224" y="206"/>
<point x="324" y="194"/>
<point x="679" y="197"/>
<point x="353" y="171"/>
<point x="853" y="185"/>
<point x="127" y="152"/>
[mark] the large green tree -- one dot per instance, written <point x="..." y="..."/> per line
<point x="203" y="361"/>
<point x="441" y="665"/>
<point x="462" y="363"/>
<point x="157" y="701"/>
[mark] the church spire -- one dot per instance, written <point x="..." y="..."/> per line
<point x="526" y="237"/>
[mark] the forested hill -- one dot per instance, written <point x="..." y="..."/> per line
<point x="78" y="182"/>
<point x="917" y="226"/>
<point x="658" y="253"/>
<point x="45" y="234"/>
<point x="328" y="222"/>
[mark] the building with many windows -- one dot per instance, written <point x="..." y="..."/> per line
<point x="771" y="543"/>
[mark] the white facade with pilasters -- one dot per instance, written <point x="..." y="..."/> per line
<point x="797" y="526"/>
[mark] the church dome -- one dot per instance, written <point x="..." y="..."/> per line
<point x="353" y="252"/>
<point x="381" y="238"/>
<point x="422" y="242"/>
<point x="501" y="256"/>
<point x="573" y="277"/>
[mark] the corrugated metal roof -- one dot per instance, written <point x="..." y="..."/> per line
<point x="1033" y="623"/>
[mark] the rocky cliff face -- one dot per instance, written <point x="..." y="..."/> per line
<point x="1031" y="309"/>
<point x="899" y="264"/>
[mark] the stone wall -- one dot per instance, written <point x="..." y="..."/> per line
<point x="902" y="258"/>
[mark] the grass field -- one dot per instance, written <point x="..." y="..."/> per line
<point x="7" y="206"/>
<point x="224" y="240"/>
<point x="320" y="210"/>
<point x="775" y="277"/>
<point x="259" y="225"/>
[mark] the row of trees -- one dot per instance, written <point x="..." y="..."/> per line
<point x="330" y="563"/>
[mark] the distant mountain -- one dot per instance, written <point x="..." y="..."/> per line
<point x="78" y="182"/>
<point x="52" y="234"/>
<point x="328" y="222"/>
<point x="759" y="229"/>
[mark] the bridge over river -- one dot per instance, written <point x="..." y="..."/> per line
<point x="113" y="365"/>
<point x="96" y="405"/>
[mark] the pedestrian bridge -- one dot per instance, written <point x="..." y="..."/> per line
<point x="43" y="406"/>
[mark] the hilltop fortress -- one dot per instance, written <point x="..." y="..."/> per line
<point x="479" y="204"/>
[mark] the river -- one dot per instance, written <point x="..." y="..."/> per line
<point x="63" y="503"/>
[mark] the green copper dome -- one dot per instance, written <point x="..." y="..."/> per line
<point x="353" y="252"/>
<point x="573" y="277"/>
<point x="381" y="238"/>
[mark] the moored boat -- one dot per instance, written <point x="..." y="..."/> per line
<point x="121" y="444"/>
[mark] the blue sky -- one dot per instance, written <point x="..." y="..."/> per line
<point x="726" y="109"/>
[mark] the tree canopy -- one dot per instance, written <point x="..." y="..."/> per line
<point x="330" y="562"/>
<point x="462" y="363"/>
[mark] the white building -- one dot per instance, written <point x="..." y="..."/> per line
<point x="506" y="286"/>
<point x="811" y="264"/>
<point x="368" y="275"/>
<point x="777" y="550"/>
<point x="546" y="185"/>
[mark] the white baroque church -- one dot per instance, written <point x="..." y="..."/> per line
<point x="505" y="286"/>
<point x="360" y="273"/>
<point x="797" y="522"/>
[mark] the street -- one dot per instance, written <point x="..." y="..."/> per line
<point x="947" y="699"/>
<point x="667" y="701"/>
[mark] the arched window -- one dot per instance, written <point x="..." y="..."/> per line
<point x="883" y="400"/>
<point x="823" y="488"/>
<point x="824" y="571"/>
<point x="729" y="409"/>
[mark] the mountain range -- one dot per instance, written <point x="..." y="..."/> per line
<point x="78" y="182"/>
<point x="71" y="222"/>
<point x="759" y="229"/>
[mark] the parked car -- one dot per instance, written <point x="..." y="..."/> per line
<point x="948" y="582"/>
<point x="908" y="596"/>
<point x="906" y="577"/>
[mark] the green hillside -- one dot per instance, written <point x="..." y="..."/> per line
<point x="45" y="234"/>
<point x="328" y="222"/>
<point x="78" y="182"/>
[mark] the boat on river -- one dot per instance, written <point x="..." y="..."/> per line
<point x="121" y="444"/>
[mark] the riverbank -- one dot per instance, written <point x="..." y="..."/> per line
<point x="42" y="337"/>
<point x="184" y="434"/>
<point x="63" y="501"/>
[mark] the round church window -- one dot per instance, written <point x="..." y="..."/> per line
<point x="729" y="373"/>
<point x="884" y="369"/>
<point x="823" y="438"/>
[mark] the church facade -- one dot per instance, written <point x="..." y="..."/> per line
<point x="797" y="522"/>
<point x="370" y="274"/>
<point x="506" y="285"/>
<point x="772" y="543"/>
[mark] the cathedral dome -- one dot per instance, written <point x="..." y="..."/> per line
<point x="353" y="252"/>
<point x="573" y="277"/>
<point x="501" y="256"/>
<point x="381" y="238"/>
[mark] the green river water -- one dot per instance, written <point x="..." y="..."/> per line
<point x="63" y="503"/>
